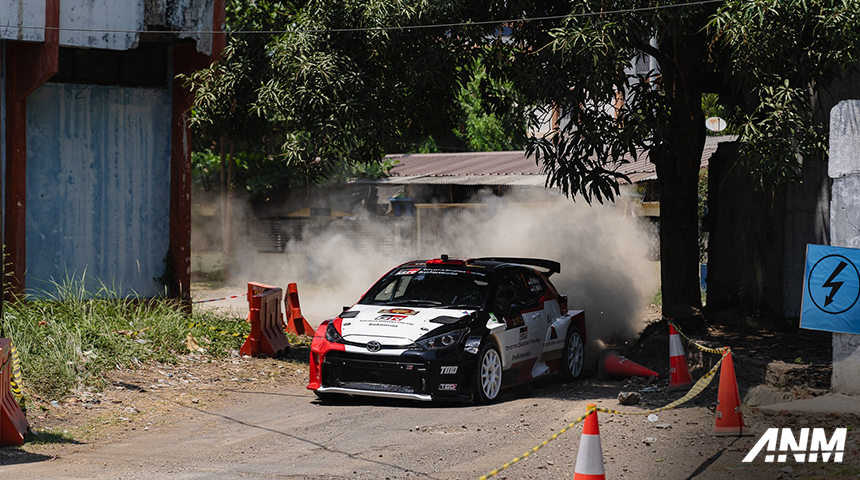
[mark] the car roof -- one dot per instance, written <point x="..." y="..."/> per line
<point x="547" y="267"/>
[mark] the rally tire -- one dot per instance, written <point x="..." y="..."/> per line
<point x="487" y="377"/>
<point x="573" y="357"/>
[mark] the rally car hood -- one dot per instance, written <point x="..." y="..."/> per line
<point x="392" y="325"/>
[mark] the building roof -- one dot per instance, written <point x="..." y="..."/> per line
<point x="501" y="168"/>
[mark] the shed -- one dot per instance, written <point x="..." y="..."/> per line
<point x="96" y="144"/>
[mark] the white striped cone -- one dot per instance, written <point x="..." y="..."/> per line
<point x="679" y="374"/>
<point x="589" y="460"/>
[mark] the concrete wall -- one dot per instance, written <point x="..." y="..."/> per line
<point x="808" y="202"/>
<point x="746" y="225"/>
<point x="109" y="24"/>
<point x="98" y="172"/>
<point x="18" y="14"/>
<point x="116" y="15"/>
<point x="844" y="169"/>
<point x="188" y="16"/>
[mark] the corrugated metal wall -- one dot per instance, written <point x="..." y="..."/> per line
<point x="98" y="176"/>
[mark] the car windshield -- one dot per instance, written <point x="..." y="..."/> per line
<point x="431" y="287"/>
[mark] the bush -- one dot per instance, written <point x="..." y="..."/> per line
<point x="69" y="340"/>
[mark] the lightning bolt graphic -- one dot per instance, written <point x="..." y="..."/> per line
<point x="833" y="286"/>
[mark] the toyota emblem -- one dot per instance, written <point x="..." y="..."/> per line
<point x="373" y="346"/>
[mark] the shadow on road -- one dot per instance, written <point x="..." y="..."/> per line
<point x="16" y="456"/>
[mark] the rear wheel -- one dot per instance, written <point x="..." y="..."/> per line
<point x="487" y="381"/>
<point x="574" y="354"/>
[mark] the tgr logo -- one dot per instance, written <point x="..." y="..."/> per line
<point x="788" y="443"/>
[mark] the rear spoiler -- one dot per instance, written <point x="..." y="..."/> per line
<point x="553" y="267"/>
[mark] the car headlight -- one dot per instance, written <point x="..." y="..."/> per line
<point x="445" y="340"/>
<point x="332" y="335"/>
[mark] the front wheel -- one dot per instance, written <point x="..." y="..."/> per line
<point x="487" y="378"/>
<point x="574" y="353"/>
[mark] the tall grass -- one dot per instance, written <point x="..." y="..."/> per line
<point x="72" y="337"/>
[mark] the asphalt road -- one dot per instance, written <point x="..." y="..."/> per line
<point x="287" y="433"/>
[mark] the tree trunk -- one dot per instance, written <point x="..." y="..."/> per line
<point x="228" y="234"/>
<point x="677" y="178"/>
<point x="221" y="144"/>
<point x="677" y="158"/>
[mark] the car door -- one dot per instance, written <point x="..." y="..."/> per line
<point x="524" y="316"/>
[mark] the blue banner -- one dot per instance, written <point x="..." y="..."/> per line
<point x="831" y="289"/>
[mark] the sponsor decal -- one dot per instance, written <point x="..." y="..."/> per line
<point x="785" y="440"/>
<point x="448" y="370"/>
<point x="399" y="311"/>
<point x="534" y="284"/>
<point x="411" y="271"/>
<point x="389" y="318"/>
<point x="447" y="387"/>
<point x="521" y="344"/>
<point x="519" y="356"/>
<point x="493" y="318"/>
<point x="524" y="333"/>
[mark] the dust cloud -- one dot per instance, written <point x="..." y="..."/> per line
<point x="603" y="251"/>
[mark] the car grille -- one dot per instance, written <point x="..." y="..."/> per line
<point x="379" y="374"/>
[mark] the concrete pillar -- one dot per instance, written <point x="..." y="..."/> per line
<point x="844" y="169"/>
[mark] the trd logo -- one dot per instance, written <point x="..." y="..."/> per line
<point x="787" y="442"/>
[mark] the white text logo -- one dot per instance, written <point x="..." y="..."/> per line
<point x="798" y="446"/>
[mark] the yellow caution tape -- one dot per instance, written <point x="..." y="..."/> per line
<point x="699" y="386"/>
<point x="17" y="380"/>
<point x="535" y="449"/>
<point x="134" y="333"/>
<point x="718" y="351"/>
<point x="215" y="329"/>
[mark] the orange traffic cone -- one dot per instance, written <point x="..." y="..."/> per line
<point x="730" y="419"/>
<point x="589" y="460"/>
<point x="614" y="365"/>
<point x="296" y="323"/>
<point x="679" y="374"/>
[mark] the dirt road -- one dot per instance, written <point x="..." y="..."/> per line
<point x="277" y="429"/>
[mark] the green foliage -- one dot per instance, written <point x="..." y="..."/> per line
<point x="784" y="53"/>
<point x="73" y="337"/>
<point x="606" y="110"/>
<point x="428" y="145"/>
<point x="343" y="172"/>
<point x="712" y="107"/>
<point x="304" y="103"/>
<point x="494" y="120"/>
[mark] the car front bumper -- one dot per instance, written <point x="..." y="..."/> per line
<point x="443" y="375"/>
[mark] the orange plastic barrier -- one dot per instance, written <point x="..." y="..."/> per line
<point x="267" y="335"/>
<point x="13" y="423"/>
<point x="296" y="323"/>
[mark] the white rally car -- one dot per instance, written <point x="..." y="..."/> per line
<point x="450" y="329"/>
